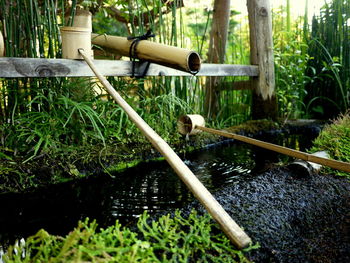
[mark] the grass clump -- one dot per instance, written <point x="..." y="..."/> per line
<point x="335" y="139"/>
<point x="169" y="239"/>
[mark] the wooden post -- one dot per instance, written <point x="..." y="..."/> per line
<point x="261" y="54"/>
<point x="228" y="225"/>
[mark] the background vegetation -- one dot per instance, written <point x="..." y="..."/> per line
<point x="47" y="117"/>
<point x="329" y="46"/>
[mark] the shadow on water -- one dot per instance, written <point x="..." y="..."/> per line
<point x="291" y="217"/>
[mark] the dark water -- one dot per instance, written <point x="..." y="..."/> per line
<point x="151" y="186"/>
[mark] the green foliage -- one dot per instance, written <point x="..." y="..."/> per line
<point x="30" y="30"/>
<point x="309" y="65"/>
<point x="46" y="116"/>
<point x="165" y="109"/>
<point x="291" y="62"/>
<point x="177" y="239"/>
<point x="103" y="23"/>
<point x="65" y="122"/>
<point x="41" y="116"/>
<point x="329" y="46"/>
<point x="87" y="123"/>
<point x="335" y="139"/>
<point x="290" y="65"/>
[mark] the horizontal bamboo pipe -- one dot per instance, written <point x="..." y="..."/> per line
<point x="174" y="57"/>
<point x="343" y="166"/>
<point x="228" y="225"/>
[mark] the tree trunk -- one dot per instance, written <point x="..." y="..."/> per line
<point x="216" y="54"/>
<point x="261" y="54"/>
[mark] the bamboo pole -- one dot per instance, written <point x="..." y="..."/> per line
<point x="174" y="57"/>
<point x="339" y="165"/>
<point x="228" y="225"/>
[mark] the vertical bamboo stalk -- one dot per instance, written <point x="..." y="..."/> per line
<point x="288" y="17"/>
<point x="228" y="225"/>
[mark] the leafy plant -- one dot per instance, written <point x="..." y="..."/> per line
<point x="67" y="122"/>
<point x="290" y="65"/>
<point x="291" y="62"/>
<point x="177" y="239"/>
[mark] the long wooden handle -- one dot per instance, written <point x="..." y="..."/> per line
<point x="228" y="225"/>
<point x="343" y="166"/>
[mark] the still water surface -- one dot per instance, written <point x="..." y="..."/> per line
<point x="151" y="186"/>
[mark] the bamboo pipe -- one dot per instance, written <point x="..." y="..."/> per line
<point x="339" y="165"/>
<point x="2" y="45"/>
<point x="174" y="57"/>
<point x="305" y="168"/>
<point x="228" y="225"/>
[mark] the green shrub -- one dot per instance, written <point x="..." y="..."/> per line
<point x="335" y="139"/>
<point x="177" y="239"/>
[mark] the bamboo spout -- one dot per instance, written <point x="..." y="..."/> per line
<point x="174" y="57"/>
<point x="228" y="225"/>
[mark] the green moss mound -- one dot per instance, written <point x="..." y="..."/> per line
<point x="168" y="239"/>
<point x="335" y="139"/>
<point x="254" y="126"/>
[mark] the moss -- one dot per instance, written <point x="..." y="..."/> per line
<point x="335" y="139"/>
<point x="122" y="166"/>
<point x="254" y="126"/>
<point x="168" y="239"/>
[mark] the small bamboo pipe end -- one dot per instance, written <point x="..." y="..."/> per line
<point x="187" y="124"/>
<point x="194" y="62"/>
<point x="244" y="241"/>
<point x="306" y="168"/>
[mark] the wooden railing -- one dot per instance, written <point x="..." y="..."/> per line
<point x="40" y="67"/>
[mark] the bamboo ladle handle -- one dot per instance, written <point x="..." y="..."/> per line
<point x="339" y="165"/>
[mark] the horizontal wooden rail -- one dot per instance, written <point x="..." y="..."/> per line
<point x="40" y="67"/>
<point x="343" y="166"/>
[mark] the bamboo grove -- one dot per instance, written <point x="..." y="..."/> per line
<point x="311" y="62"/>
